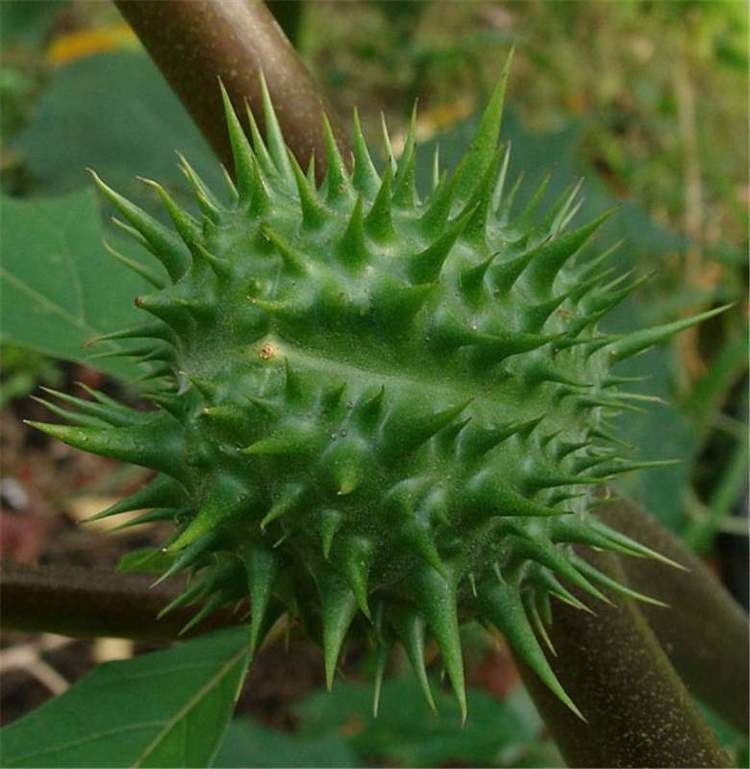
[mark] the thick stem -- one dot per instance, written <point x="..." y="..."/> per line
<point x="194" y="42"/>
<point x="638" y="711"/>
<point x="84" y="603"/>
<point x="705" y="633"/>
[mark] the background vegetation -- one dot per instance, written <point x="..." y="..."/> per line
<point x="644" y="99"/>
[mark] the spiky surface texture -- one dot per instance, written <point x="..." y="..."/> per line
<point x="372" y="408"/>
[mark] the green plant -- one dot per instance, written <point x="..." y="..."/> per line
<point x="372" y="407"/>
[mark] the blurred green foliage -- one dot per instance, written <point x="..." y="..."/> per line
<point x="338" y="729"/>
<point x="611" y="64"/>
<point x="27" y="24"/>
<point x="22" y="371"/>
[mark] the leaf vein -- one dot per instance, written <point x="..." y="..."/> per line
<point x="212" y="682"/>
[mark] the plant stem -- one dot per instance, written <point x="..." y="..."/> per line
<point x="638" y="711"/>
<point x="705" y="632"/>
<point x="194" y="42"/>
<point x="86" y="603"/>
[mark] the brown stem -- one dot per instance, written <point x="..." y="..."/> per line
<point x="85" y="603"/>
<point x="638" y="711"/>
<point x="705" y="633"/>
<point x="194" y="42"/>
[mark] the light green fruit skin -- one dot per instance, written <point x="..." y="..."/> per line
<point x="355" y="427"/>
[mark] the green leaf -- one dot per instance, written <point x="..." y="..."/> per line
<point x="248" y="744"/>
<point x="167" y="708"/>
<point x="407" y="733"/>
<point x="338" y="729"/>
<point x="60" y="286"/>
<point x="114" y="113"/>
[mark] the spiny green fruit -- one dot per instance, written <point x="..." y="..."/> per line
<point x="374" y="408"/>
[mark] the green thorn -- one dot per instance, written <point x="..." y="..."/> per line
<point x="436" y="167"/>
<point x="157" y="514"/>
<point x="209" y="205"/>
<point x="436" y="598"/>
<point x="632" y="546"/>
<point x="404" y="183"/>
<point x="261" y="567"/>
<point x="489" y="495"/>
<point x="222" y="506"/>
<point x="631" y="344"/>
<point x="164" y="245"/>
<point x="187" y="228"/>
<point x="420" y="540"/>
<point x="128" y="444"/>
<point x="391" y="158"/>
<point x="210" y="607"/>
<point x="313" y="211"/>
<point x="352" y="248"/>
<point x="381" y="662"/>
<point x="365" y="177"/>
<point x="497" y="192"/>
<point x="532" y="611"/>
<point x="338" y="607"/>
<point x="404" y="433"/>
<point x="274" y="137"/>
<point x="162" y="491"/>
<point x="77" y="419"/>
<point x="264" y="162"/>
<point x="330" y="522"/>
<point x="192" y="552"/>
<point x="378" y="222"/>
<point x="189" y="596"/>
<point x="135" y="266"/>
<point x="502" y="605"/>
<point x="548" y="555"/>
<point x="294" y="261"/>
<point x="112" y="413"/>
<point x="337" y="177"/>
<point x="426" y="266"/>
<point x="594" y="574"/>
<point x="141" y="331"/>
<point x="409" y="626"/>
<point x="479" y="155"/>
<point x="549" y="258"/>
<point x="290" y="498"/>
<point x="355" y="556"/>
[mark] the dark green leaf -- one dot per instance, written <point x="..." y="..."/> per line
<point x="114" y="113"/>
<point x="60" y="286"/>
<point x="162" y="709"/>
<point x="248" y="744"/>
<point x="407" y="733"/>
